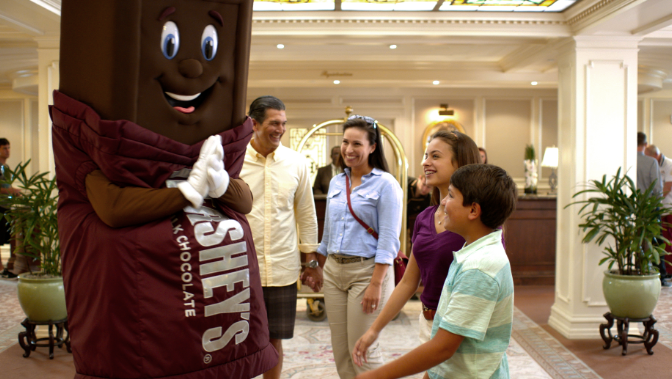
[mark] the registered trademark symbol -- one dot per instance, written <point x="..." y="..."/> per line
<point x="207" y="358"/>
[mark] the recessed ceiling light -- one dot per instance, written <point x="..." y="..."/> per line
<point x="436" y="82"/>
<point x="393" y="47"/>
<point x="534" y="83"/>
<point x="337" y="82"/>
<point x="281" y="46"/>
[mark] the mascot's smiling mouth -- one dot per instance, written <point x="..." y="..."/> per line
<point x="186" y="103"/>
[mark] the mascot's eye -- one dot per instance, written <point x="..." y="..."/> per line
<point x="170" y="40"/>
<point x="209" y="42"/>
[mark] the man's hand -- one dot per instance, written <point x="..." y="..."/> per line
<point x="313" y="277"/>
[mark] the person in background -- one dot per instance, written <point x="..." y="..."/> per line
<point x="665" y="165"/>
<point x="358" y="275"/>
<point x="282" y="220"/>
<point x="433" y="245"/>
<point x="472" y="326"/>
<point x="324" y="174"/>
<point x="418" y="198"/>
<point x="647" y="168"/>
<point x="7" y="190"/>
<point x="483" y="154"/>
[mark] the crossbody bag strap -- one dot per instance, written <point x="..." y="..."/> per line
<point x="362" y="223"/>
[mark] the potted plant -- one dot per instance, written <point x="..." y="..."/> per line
<point x="629" y="220"/>
<point x="33" y="225"/>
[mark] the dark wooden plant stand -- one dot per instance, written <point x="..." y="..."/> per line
<point x="649" y="338"/>
<point x="29" y="341"/>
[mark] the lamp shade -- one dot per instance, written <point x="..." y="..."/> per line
<point x="550" y="157"/>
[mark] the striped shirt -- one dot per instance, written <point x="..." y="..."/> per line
<point x="477" y="303"/>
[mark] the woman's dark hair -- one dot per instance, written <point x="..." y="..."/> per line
<point x="464" y="149"/>
<point x="368" y="125"/>
<point x="484" y="153"/>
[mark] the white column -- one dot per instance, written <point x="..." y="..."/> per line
<point x="48" y="56"/>
<point x="597" y="124"/>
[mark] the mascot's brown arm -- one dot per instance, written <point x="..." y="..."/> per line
<point x="238" y="196"/>
<point x="120" y="207"/>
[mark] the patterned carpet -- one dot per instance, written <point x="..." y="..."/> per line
<point x="533" y="352"/>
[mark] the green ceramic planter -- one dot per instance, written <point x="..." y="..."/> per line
<point x="633" y="296"/>
<point x="42" y="299"/>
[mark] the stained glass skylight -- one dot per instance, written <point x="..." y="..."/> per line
<point x="415" y="5"/>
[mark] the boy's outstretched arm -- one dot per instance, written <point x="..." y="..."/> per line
<point x="422" y="358"/>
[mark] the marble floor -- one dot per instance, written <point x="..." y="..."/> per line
<point x="532" y="353"/>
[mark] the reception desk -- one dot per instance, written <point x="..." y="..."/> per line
<point x="530" y="240"/>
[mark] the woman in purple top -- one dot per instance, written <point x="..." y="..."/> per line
<point x="433" y="246"/>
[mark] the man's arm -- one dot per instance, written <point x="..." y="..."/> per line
<point x="304" y="211"/>
<point x="306" y="219"/>
<point x="655" y="175"/>
<point x="422" y="358"/>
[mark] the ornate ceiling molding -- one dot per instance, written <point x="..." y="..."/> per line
<point x="597" y="11"/>
<point x="389" y="21"/>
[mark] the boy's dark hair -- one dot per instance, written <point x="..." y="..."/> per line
<point x="260" y="104"/>
<point x="489" y="186"/>
<point x="370" y="127"/>
<point x="4" y="141"/>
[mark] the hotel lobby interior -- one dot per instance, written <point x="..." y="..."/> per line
<point x="582" y="76"/>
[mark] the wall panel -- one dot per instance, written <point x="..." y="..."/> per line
<point x="507" y="131"/>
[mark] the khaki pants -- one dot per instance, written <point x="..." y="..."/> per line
<point x="344" y="287"/>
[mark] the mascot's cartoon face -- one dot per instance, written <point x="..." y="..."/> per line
<point x="179" y="67"/>
<point x="186" y="82"/>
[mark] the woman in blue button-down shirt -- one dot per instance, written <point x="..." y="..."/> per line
<point x="358" y="275"/>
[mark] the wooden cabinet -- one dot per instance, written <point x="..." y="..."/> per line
<point x="530" y="240"/>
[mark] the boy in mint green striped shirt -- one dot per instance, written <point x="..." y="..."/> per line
<point x="472" y="326"/>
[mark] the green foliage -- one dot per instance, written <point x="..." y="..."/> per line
<point x="529" y="152"/>
<point x="631" y="218"/>
<point x="32" y="217"/>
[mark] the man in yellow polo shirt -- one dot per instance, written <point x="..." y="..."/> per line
<point x="283" y="218"/>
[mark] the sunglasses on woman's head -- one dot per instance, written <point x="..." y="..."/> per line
<point x="368" y="120"/>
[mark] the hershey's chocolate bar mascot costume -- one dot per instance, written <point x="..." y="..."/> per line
<point x="159" y="266"/>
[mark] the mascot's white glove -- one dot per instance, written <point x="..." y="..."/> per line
<point x="218" y="177"/>
<point x="195" y="187"/>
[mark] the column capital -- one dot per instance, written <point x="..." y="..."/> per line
<point x="607" y="42"/>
